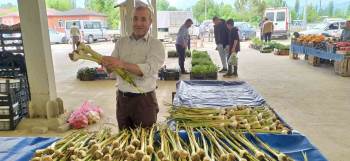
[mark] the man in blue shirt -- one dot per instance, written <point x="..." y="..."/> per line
<point x="234" y="48"/>
<point x="182" y="40"/>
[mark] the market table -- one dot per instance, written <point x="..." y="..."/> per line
<point x="211" y="93"/>
<point x="23" y="148"/>
<point x="229" y="93"/>
<point x="301" y="49"/>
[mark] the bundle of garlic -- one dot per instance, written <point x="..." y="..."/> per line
<point x="240" y="118"/>
<point x="86" y="53"/>
<point x="160" y="143"/>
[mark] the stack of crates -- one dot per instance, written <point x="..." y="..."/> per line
<point x="14" y="98"/>
<point x="14" y="86"/>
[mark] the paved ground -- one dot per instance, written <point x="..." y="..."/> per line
<point x="313" y="100"/>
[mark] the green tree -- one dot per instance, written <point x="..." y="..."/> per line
<point x="330" y="8"/>
<point x="163" y="5"/>
<point x="276" y="3"/>
<point x="7" y="5"/>
<point x="296" y="8"/>
<point x="312" y="15"/>
<point x="106" y="7"/>
<point x="250" y="10"/>
<point x="348" y="11"/>
<point x="340" y="13"/>
<point x="62" y="5"/>
<point x="294" y="14"/>
<point x="199" y="10"/>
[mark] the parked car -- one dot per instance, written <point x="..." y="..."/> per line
<point x="56" y="37"/>
<point x="331" y="28"/>
<point x="245" y="30"/>
<point x="281" y="19"/>
<point x="91" y="30"/>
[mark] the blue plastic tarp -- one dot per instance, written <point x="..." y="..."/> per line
<point x="22" y="148"/>
<point x="291" y="145"/>
<point x="199" y="93"/>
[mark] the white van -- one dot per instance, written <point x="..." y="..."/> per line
<point x="91" y="30"/>
<point x="281" y="19"/>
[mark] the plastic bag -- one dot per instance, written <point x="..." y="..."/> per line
<point x="85" y="115"/>
<point x="233" y="60"/>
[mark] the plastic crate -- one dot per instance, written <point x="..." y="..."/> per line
<point x="9" y="124"/>
<point x="10" y="110"/>
<point x="207" y="76"/>
<point x="5" y="111"/>
<point x="10" y="72"/>
<point x="169" y="74"/>
<point x="9" y="99"/>
<point x="7" y="84"/>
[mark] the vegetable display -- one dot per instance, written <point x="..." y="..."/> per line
<point x="160" y="143"/>
<point x="240" y="118"/>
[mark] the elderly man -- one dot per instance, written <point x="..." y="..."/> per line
<point x="142" y="56"/>
<point x="182" y="42"/>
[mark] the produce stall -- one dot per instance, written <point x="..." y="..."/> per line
<point x="317" y="47"/>
<point x="184" y="141"/>
<point x="168" y="144"/>
<point x="268" y="47"/>
<point x="198" y="100"/>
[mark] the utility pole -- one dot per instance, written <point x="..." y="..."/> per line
<point x="305" y="12"/>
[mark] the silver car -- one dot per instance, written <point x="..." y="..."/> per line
<point x="332" y="28"/>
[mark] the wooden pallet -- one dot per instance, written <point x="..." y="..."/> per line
<point x="281" y="52"/>
<point x="342" y="67"/>
<point x="315" y="61"/>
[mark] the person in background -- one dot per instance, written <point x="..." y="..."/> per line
<point x="267" y="29"/>
<point x="75" y="34"/>
<point x="345" y="35"/>
<point x="142" y="56"/>
<point x="221" y="40"/>
<point x="261" y="24"/>
<point x="182" y="42"/>
<point x="234" y="48"/>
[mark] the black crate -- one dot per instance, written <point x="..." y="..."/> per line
<point x="10" y="72"/>
<point x="169" y="74"/>
<point x="16" y="84"/>
<point x="205" y="76"/>
<point x="9" y="124"/>
<point x="10" y="110"/>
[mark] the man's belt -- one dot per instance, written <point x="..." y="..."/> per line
<point x="130" y="94"/>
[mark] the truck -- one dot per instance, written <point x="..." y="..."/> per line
<point x="91" y="30"/>
<point x="169" y="22"/>
<point x="281" y="21"/>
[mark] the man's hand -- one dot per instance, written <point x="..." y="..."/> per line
<point x="111" y="62"/>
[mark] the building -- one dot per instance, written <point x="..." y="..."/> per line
<point x="57" y="18"/>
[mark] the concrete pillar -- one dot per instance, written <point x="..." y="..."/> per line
<point x="37" y="51"/>
<point x="130" y="4"/>
<point x="122" y="21"/>
<point x="154" y="19"/>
